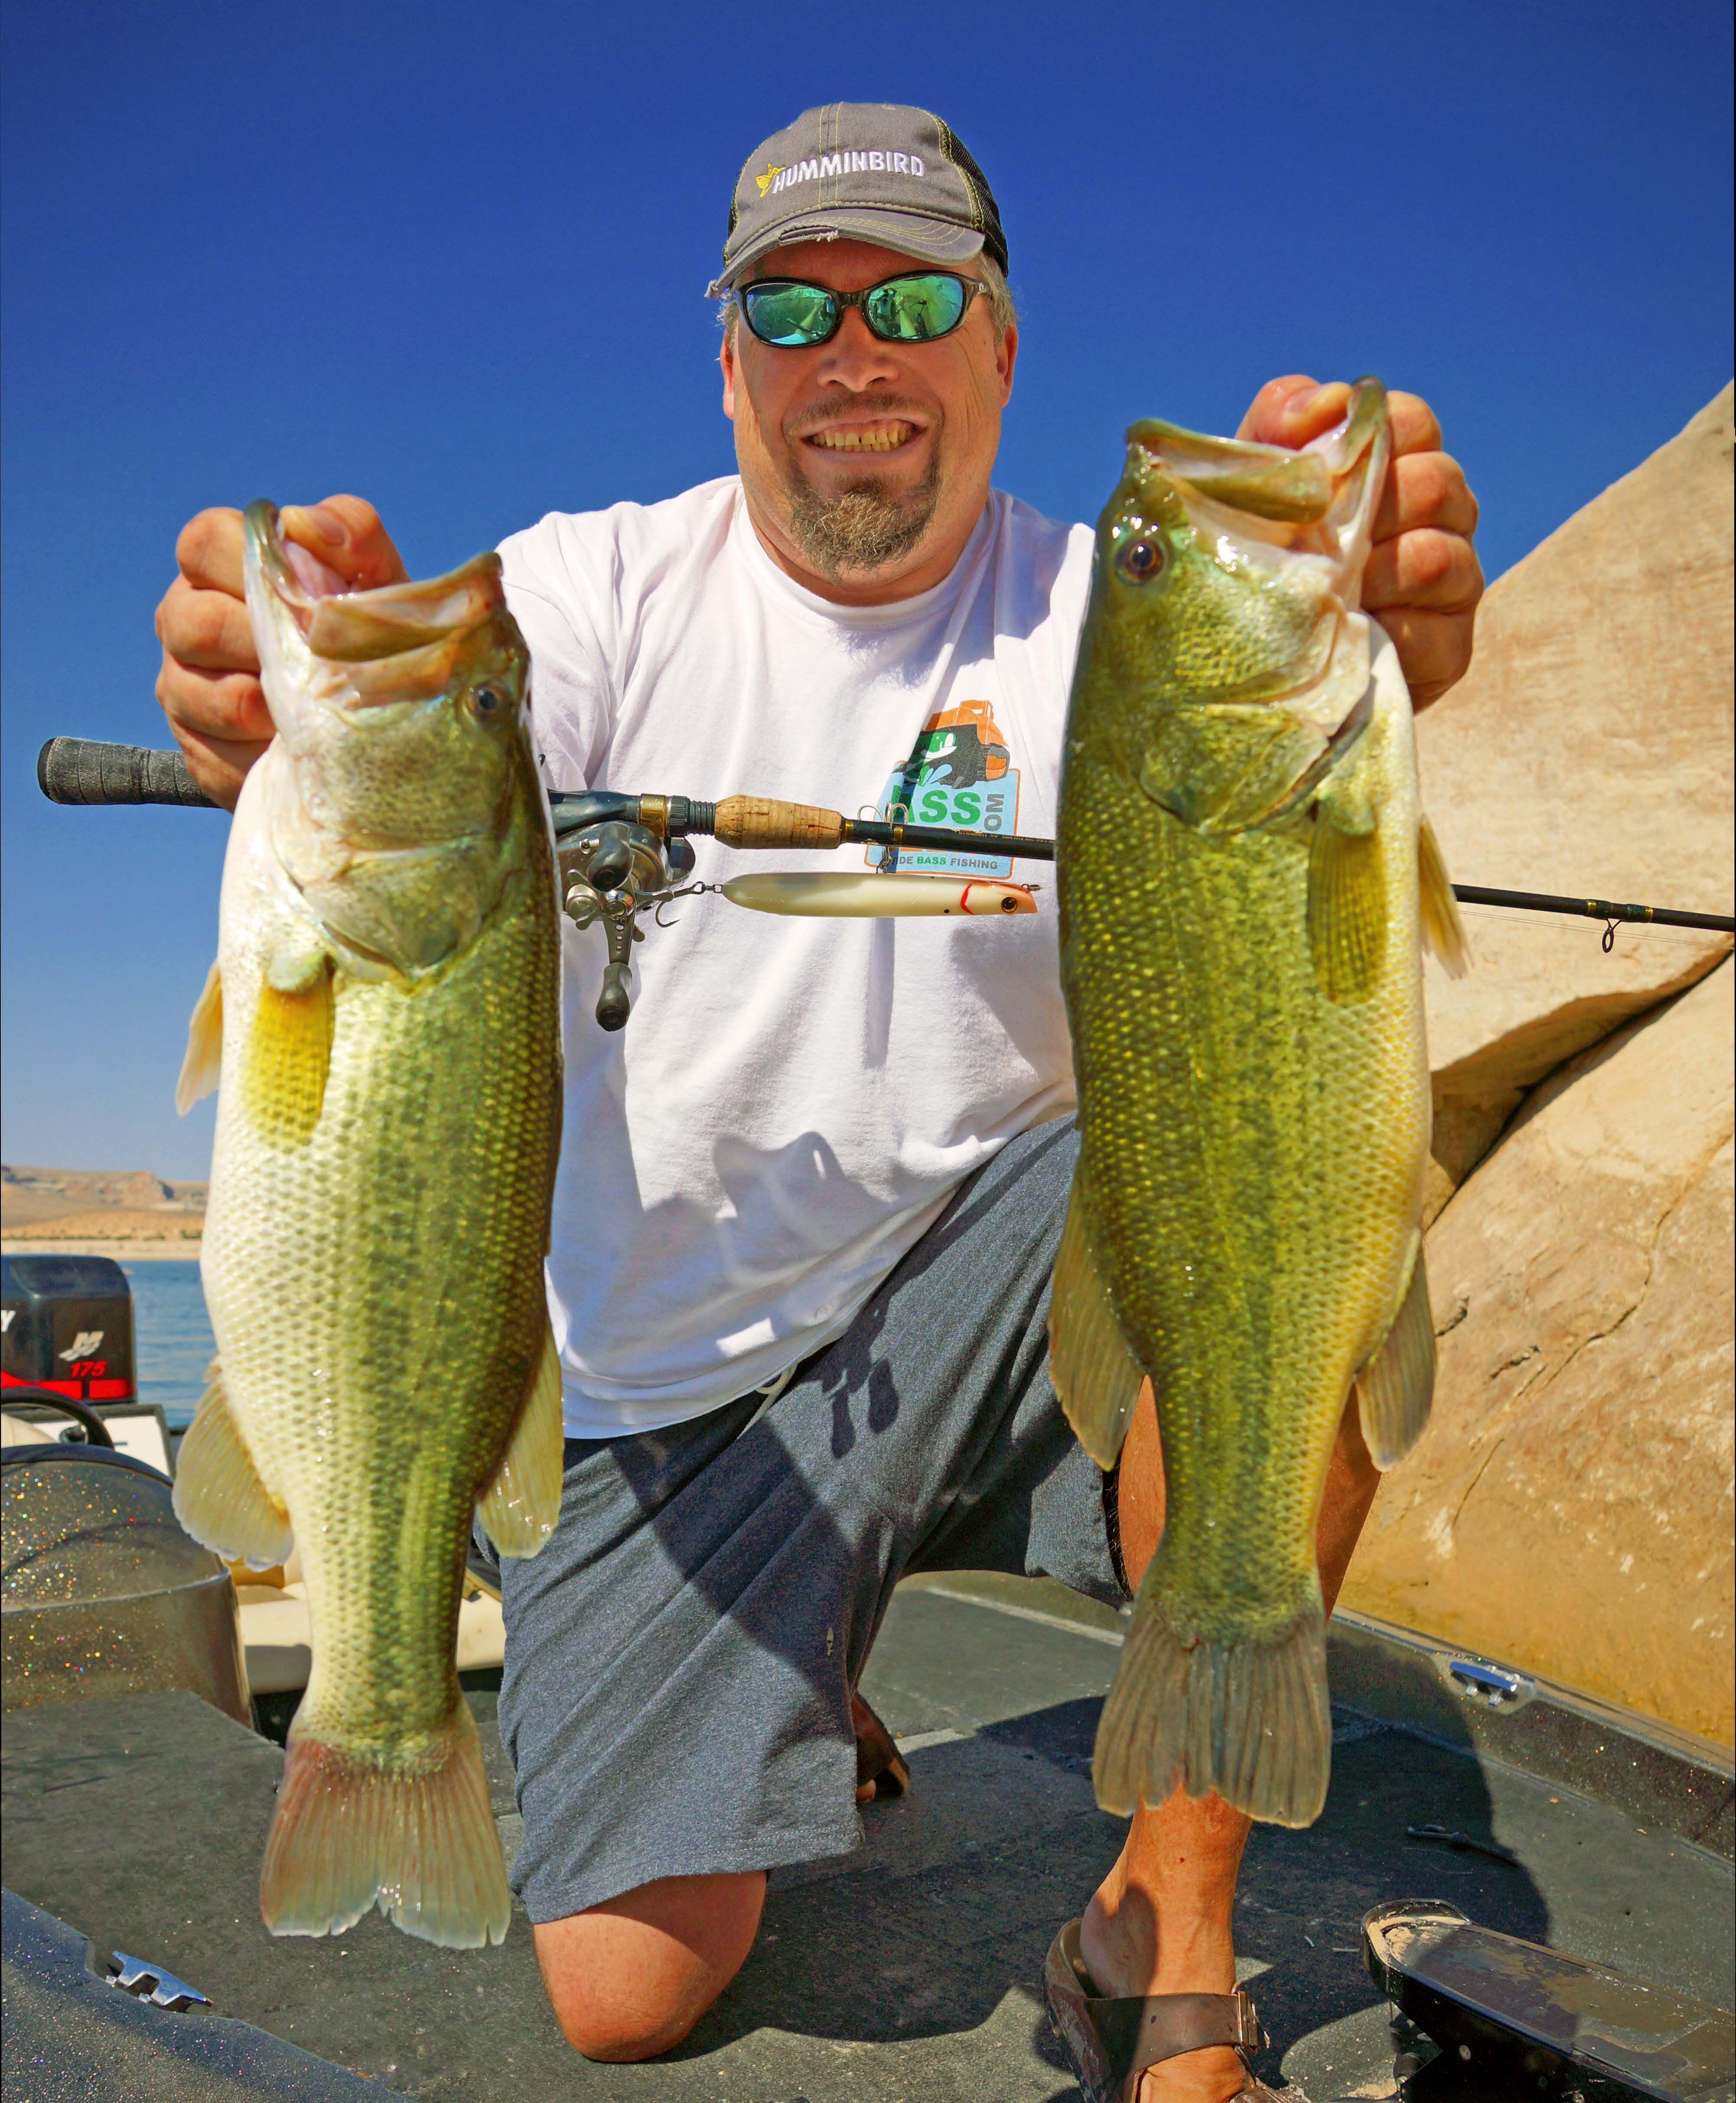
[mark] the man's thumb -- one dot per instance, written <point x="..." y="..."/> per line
<point x="346" y="535"/>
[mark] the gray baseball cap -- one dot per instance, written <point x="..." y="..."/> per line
<point x="879" y="172"/>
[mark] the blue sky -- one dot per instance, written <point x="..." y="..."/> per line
<point x="452" y="257"/>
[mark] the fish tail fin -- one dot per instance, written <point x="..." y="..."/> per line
<point x="411" y="1830"/>
<point x="1248" y="1718"/>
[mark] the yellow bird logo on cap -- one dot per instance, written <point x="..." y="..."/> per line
<point x="768" y="179"/>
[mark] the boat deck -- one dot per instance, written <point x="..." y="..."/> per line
<point x="911" y="1969"/>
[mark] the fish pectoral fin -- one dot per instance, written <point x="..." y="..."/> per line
<point x="200" y="1067"/>
<point x="1347" y="905"/>
<point x="1095" y="1375"/>
<point x="219" y="1496"/>
<point x="520" y="1507"/>
<point x="1443" y="930"/>
<point x="1395" y="1388"/>
<point x="289" y="1051"/>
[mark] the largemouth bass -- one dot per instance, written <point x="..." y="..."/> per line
<point x="384" y="1012"/>
<point x="1244" y="879"/>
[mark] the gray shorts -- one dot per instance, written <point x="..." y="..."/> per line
<point x="680" y="1657"/>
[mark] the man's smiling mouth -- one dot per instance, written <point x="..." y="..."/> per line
<point x="879" y="437"/>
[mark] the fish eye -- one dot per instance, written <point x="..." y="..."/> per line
<point x="1141" y="560"/>
<point x="485" y="701"/>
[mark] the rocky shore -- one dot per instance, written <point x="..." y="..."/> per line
<point x="98" y="1212"/>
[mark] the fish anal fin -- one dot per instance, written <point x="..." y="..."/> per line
<point x="1395" y="1388"/>
<point x="288" y="1056"/>
<point x="219" y="1496"/>
<point x="1346" y="907"/>
<point x="200" y="1069"/>
<point x="1094" y="1374"/>
<point x="409" y="1828"/>
<point x="520" y="1507"/>
<point x="1443" y="930"/>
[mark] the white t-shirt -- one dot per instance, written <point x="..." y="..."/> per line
<point x="792" y="1101"/>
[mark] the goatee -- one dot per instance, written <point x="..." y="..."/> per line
<point x="864" y="528"/>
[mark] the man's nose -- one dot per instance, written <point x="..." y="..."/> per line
<point x="855" y="358"/>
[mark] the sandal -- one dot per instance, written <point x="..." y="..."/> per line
<point x="880" y="1768"/>
<point x="1108" y="2039"/>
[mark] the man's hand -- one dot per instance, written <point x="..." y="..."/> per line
<point x="209" y="684"/>
<point x="1423" y="581"/>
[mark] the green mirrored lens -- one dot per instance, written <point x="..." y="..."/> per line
<point x="915" y="309"/>
<point x="788" y="313"/>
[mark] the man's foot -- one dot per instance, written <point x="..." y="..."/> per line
<point x="1180" y="2047"/>
<point x="1117" y="1949"/>
<point x="880" y="1770"/>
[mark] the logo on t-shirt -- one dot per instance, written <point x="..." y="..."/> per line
<point x="959" y="774"/>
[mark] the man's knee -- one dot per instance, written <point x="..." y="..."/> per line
<point x="628" y="1979"/>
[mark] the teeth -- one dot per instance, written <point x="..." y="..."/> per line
<point x="883" y="441"/>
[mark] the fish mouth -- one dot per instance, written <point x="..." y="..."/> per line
<point x="313" y="611"/>
<point x="1319" y="502"/>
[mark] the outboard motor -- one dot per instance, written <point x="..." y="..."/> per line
<point x="66" y="1328"/>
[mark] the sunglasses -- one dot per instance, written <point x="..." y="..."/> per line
<point x="920" y="308"/>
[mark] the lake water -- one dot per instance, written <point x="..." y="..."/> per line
<point x="172" y="1342"/>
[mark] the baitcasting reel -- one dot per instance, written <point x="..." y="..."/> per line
<point x="612" y="869"/>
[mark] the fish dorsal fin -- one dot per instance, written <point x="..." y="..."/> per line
<point x="520" y="1507"/>
<point x="1094" y="1374"/>
<point x="218" y="1495"/>
<point x="200" y="1069"/>
<point x="1394" y="1390"/>
<point x="1443" y="930"/>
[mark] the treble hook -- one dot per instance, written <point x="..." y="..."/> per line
<point x="692" y="890"/>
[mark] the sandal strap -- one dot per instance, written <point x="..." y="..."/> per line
<point x="1108" y="2038"/>
<point x="1144" y="2029"/>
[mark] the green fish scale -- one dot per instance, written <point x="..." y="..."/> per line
<point x="1251" y="1154"/>
<point x="377" y="1293"/>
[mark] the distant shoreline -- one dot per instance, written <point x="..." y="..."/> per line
<point x="151" y="1251"/>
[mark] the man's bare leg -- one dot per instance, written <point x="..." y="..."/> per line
<point x="1160" y="1921"/>
<point x="628" y="1979"/>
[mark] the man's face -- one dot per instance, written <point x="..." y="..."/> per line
<point x="865" y="464"/>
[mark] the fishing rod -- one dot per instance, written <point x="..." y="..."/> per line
<point x="621" y="855"/>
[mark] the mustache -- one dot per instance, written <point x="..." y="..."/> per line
<point x="799" y="423"/>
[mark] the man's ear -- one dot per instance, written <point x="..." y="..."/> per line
<point x="726" y="357"/>
<point x="1006" y="356"/>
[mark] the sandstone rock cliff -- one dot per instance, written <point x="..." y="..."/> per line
<point x="1568" y="1509"/>
<point x="1588" y="750"/>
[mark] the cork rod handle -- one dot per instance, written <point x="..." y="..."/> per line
<point x="761" y="821"/>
